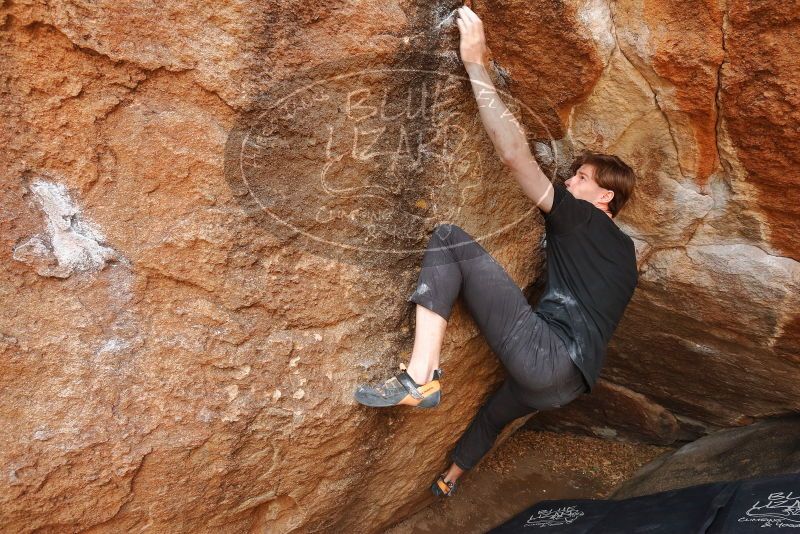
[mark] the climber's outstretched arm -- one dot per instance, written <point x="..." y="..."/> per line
<point x="503" y="128"/>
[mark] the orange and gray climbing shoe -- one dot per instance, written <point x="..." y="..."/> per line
<point x="401" y="390"/>
<point x="442" y="488"/>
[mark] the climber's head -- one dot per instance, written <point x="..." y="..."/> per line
<point x="604" y="180"/>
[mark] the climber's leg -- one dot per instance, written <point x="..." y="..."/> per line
<point x="438" y="286"/>
<point x="453" y="473"/>
<point x="429" y="330"/>
<point x="450" y="251"/>
<point x="510" y="402"/>
<point x="533" y="354"/>
<point x="455" y="263"/>
<point x="501" y="408"/>
<point x="556" y="380"/>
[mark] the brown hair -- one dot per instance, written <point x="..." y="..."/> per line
<point x="611" y="173"/>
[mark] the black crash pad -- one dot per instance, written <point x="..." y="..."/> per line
<point x="763" y="505"/>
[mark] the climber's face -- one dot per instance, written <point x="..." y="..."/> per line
<point x="584" y="186"/>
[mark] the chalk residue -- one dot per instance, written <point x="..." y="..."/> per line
<point x="447" y="19"/>
<point x="70" y="243"/>
<point x="596" y="17"/>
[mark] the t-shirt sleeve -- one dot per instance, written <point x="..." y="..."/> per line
<point x="567" y="212"/>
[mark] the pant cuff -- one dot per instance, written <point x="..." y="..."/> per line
<point x="435" y="306"/>
<point x="460" y="464"/>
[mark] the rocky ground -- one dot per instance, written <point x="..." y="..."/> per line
<point x="530" y="467"/>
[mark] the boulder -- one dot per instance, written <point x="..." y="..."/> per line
<point x="215" y="212"/>
<point x="765" y="448"/>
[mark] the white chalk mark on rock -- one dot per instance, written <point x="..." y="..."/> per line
<point x="205" y="415"/>
<point x="113" y="345"/>
<point x="70" y="244"/>
<point x="595" y="16"/>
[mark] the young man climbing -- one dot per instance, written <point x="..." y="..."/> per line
<point x="553" y="353"/>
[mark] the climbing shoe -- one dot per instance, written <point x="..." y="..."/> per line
<point x="401" y="390"/>
<point x="440" y="488"/>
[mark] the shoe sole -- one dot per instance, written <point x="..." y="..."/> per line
<point x="431" y="391"/>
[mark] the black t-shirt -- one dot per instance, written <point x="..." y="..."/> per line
<point x="591" y="276"/>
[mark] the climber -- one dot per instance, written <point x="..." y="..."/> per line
<point x="553" y="353"/>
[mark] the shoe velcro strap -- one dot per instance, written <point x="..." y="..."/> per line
<point x="408" y="383"/>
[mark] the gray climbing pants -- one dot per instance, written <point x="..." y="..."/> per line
<point x="540" y="372"/>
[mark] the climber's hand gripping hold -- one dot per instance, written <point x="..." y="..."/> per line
<point x="473" y="47"/>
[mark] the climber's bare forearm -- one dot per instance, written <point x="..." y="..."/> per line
<point x="503" y="128"/>
<point x="508" y="137"/>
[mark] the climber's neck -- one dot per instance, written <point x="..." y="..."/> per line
<point x="603" y="206"/>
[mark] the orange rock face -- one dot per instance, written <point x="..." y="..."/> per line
<point x="213" y="215"/>
<point x="759" y="87"/>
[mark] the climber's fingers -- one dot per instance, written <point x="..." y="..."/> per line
<point x="473" y="41"/>
<point x="465" y="25"/>
<point x="469" y="15"/>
